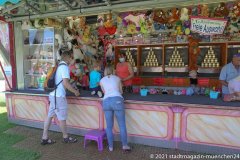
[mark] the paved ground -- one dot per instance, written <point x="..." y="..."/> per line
<point x="61" y="151"/>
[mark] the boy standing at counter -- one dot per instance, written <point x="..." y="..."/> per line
<point x="60" y="109"/>
<point x="95" y="78"/>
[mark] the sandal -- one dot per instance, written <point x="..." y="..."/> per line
<point x="127" y="149"/>
<point x="70" y="140"/>
<point x="47" y="141"/>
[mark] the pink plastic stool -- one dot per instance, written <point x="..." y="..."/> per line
<point x="96" y="135"/>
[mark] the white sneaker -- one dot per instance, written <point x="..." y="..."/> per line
<point x="99" y="93"/>
<point x="110" y="149"/>
<point x="93" y="92"/>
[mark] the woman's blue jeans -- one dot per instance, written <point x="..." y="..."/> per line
<point x="111" y="106"/>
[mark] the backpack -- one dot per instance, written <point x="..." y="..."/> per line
<point x="49" y="83"/>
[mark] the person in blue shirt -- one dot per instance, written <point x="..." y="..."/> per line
<point x="229" y="72"/>
<point x="95" y="78"/>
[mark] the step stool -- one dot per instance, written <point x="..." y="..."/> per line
<point x="96" y="135"/>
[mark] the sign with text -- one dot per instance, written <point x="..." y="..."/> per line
<point x="208" y="26"/>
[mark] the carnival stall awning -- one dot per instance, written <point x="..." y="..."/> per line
<point x="2" y="2"/>
<point x="31" y="9"/>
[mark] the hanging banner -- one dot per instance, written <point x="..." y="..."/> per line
<point x="208" y="26"/>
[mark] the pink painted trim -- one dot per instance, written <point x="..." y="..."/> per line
<point x="7" y="97"/>
<point x="177" y="109"/>
<point x="36" y="98"/>
<point x="4" y="74"/>
<point x="214" y="112"/>
<point x="92" y="103"/>
<point x="176" y="139"/>
<point x="70" y="101"/>
<point x="154" y="108"/>
<point x="12" y="55"/>
<point x="200" y="17"/>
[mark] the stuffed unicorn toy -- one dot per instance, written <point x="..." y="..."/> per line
<point x="135" y="19"/>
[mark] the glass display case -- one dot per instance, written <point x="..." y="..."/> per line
<point x="38" y="56"/>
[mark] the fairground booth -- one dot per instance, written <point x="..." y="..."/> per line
<point x="177" y="49"/>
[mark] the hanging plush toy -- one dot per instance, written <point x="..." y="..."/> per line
<point x="26" y="25"/>
<point x="102" y="31"/>
<point x="236" y="9"/>
<point x="179" y="28"/>
<point x="50" y="22"/>
<point x="196" y="10"/>
<point x="76" y="21"/>
<point x="68" y="35"/>
<point x="131" y="29"/>
<point x="58" y="44"/>
<point x="69" y="22"/>
<point x="149" y="20"/>
<point x="186" y="25"/>
<point x="221" y="10"/>
<point x="109" y="22"/>
<point x="184" y="14"/>
<point x="82" y="22"/>
<point x="100" y="20"/>
<point x="143" y="26"/>
<point x="76" y="74"/>
<point x="109" y="52"/>
<point x="173" y="15"/>
<point x="86" y="34"/>
<point x="77" y="52"/>
<point x="204" y="10"/>
<point x="38" y="23"/>
<point x="159" y="16"/>
<point x="109" y="25"/>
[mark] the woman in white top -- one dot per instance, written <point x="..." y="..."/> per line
<point x="113" y="104"/>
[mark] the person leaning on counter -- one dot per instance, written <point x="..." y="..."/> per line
<point x="229" y="72"/>
<point x="125" y="72"/>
